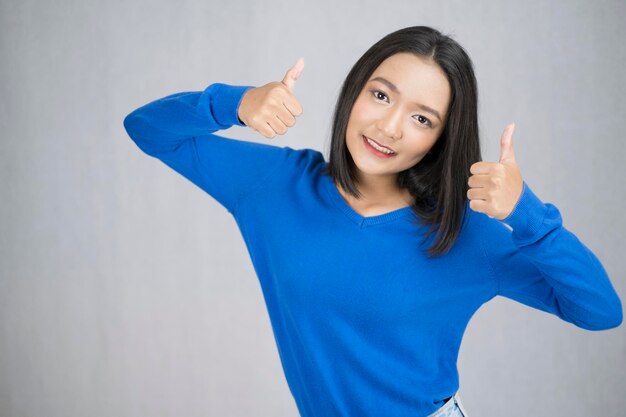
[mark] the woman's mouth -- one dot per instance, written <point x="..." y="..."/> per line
<point x="377" y="149"/>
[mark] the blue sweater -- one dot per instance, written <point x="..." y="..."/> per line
<point x="365" y="323"/>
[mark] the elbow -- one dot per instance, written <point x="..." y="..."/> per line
<point x="133" y="129"/>
<point x="615" y="314"/>
<point x="616" y="318"/>
<point x="609" y="318"/>
<point x="129" y="125"/>
<point x="609" y="323"/>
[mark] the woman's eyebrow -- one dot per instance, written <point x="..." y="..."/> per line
<point x="393" y="88"/>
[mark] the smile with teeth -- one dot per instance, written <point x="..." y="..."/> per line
<point x="378" y="147"/>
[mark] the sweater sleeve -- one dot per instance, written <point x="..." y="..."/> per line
<point x="179" y="130"/>
<point x="538" y="262"/>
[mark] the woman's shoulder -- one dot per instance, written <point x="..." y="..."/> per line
<point x="286" y="165"/>
<point x="305" y="157"/>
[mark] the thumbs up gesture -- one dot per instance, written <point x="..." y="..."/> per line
<point x="272" y="109"/>
<point x="496" y="187"/>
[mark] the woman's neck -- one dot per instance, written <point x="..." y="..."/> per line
<point x="378" y="199"/>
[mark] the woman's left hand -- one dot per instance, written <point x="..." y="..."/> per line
<point x="496" y="187"/>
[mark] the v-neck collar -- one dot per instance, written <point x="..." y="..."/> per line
<point x="360" y="220"/>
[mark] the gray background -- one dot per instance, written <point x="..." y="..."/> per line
<point x="127" y="291"/>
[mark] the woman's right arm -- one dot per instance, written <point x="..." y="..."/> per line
<point x="179" y="130"/>
<point x="161" y="126"/>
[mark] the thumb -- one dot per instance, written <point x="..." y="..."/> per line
<point x="506" y="144"/>
<point x="293" y="73"/>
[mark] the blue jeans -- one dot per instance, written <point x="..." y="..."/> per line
<point x="452" y="408"/>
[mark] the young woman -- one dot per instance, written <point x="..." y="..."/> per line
<point x="372" y="264"/>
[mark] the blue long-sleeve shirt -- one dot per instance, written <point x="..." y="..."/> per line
<point x="365" y="323"/>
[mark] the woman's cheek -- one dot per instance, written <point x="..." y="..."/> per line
<point x="359" y="110"/>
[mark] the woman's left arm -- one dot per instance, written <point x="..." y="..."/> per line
<point x="534" y="258"/>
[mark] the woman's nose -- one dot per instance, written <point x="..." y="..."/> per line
<point x="390" y="124"/>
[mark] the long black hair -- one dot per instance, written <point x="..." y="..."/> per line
<point x="439" y="181"/>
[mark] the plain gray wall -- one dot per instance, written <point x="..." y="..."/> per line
<point x="127" y="291"/>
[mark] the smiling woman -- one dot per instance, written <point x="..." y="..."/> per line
<point x="414" y="89"/>
<point x="359" y="334"/>
<point x="388" y="123"/>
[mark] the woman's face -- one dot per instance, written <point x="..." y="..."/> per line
<point x="403" y="108"/>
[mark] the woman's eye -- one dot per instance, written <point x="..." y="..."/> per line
<point x="423" y="120"/>
<point x="378" y="93"/>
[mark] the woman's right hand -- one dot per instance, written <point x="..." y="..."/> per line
<point x="272" y="109"/>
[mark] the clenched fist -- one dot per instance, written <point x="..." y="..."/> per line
<point x="272" y="109"/>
